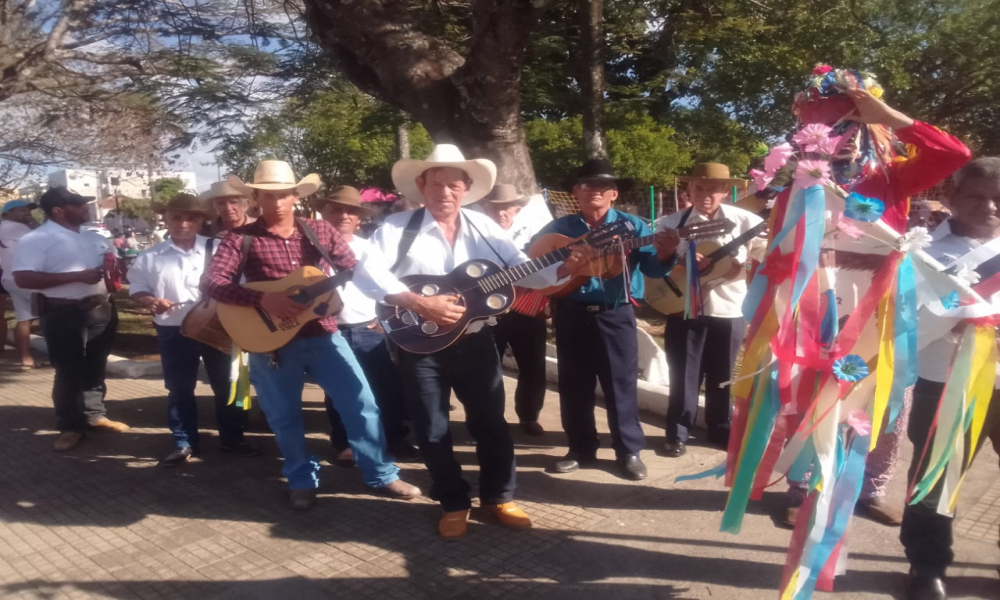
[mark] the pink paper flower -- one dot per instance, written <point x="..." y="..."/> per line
<point x="859" y="421"/>
<point x="761" y="178"/>
<point x="810" y="136"/>
<point x="778" y="157"/>
<point x="829" y="145"/>
<point x="847" y="226"/>
<point x="821" y="70"/>
<point x="812" y="172"/>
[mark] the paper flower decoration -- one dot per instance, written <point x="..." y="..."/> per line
<point x="829" y="145"/>
<point x="847" y="226"/>
<point x="850" y="368"/>
<point x="966" y="273"/>
<point x="821" y="70"/>
<point x="952" y="300"/>
<point x="812" y="172"/>
<point x="917" y="238"/>
<point x="778" y="157"/>
<point x="761" y="178"/>
<point x="864" y="209"/>
<point x="810" y="136"/>
<point x="860" y="422"/>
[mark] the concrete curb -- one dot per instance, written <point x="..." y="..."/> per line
<point x="118" y="366"/>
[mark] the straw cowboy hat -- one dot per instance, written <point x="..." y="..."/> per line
<point x="185" y="202"/>
<point x="504" y="194"/>
<point x="277" y="175"/>
<point x="482" y="172"/>
<point x="222" y="189"/>
<point x="714" y="172"/>
<point x="344" y="195"/>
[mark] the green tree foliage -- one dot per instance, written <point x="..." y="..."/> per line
<point x="137" y="208"/>
<point x="168" y="187"/>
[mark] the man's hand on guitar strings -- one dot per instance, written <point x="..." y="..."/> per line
<point x="442" y="310"/>
<point x="577" y="257"/>
<point x="666" y="243"/>
<point x="280" y="305"/>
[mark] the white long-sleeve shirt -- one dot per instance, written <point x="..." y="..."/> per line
<point x="168" y="272"/>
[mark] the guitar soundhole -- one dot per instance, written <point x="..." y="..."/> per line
<point x="475" y="270"/>
<point x="429" y="289"/>
<point x="496" y="301"/>
<point x="429" y="327"/>
<point x="408" y="318"/>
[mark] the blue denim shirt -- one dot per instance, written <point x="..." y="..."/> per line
<point x="641" y="261"/>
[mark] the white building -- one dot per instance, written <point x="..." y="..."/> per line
<point x="106" y="183"/>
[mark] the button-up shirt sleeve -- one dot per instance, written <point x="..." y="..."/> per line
<point x="140" y="275"/>
<point x="373" y="278"/>
<point x="649" y="263"/>
<point x="218" y="280"/>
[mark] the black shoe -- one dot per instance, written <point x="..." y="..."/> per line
<point x="674" y="449"/>
<point x="632" y="467"/>
<point x="303" y="499"/>
<point x="178" y="457"/>
<point x="241" y="449"/>
<point x="925" y="586"/>
<point x="572" y="462"/>
<point x="719" y="436"/>
<point x="404" y="451"/>
<point x="532" y="428"/>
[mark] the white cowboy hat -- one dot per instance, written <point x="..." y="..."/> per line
<point x="223" y="189"/>
<point x="276" y="175"/>
<point x="482" y="172"/>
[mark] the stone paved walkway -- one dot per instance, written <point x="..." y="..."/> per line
<point x="104" y="522"/>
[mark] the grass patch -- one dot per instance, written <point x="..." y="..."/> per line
<point x="136" y="336"/>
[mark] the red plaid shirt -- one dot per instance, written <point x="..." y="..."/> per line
<point x="273" y="257"/>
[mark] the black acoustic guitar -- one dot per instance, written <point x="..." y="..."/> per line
<point x="483" y="287"/>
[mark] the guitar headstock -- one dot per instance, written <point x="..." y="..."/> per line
<point x="611" y="232"/>
<point x="706" y="229"/>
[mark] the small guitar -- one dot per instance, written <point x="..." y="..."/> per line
<point x="484" y="288"/>
<point x="607" y="257"/>
<point x="667" y="294"/>
<point x="254" y="330"/>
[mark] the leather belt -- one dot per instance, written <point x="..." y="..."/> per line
<point x="88" y="303"/>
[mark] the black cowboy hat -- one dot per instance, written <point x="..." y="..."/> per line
<point x="599" y="169"/>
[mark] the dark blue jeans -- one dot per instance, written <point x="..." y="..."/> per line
<point x="383" y="377"/>
<point x="179" y="356"/>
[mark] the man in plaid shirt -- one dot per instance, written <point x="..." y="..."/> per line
<point x="319" y="352"/>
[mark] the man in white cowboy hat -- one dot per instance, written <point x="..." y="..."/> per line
<point x="274" y="246"/>
<point x="342" y="207"/>
<point x="441" y="236"/>
<point x="524" y="327"/>
<point x="230" y="206"/>
<point x="705" y="347"/>
<point x="164" y="279"/>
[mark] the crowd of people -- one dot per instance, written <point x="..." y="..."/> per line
<point x="380" y="396"/>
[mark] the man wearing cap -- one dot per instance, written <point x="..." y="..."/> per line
<point x="63" y="264"/>
<point x="343" y="209"/>
<point x="434" y="240"/>
<point x="524" y="327"/>
<point x="275" y="245"/>
<point x="596" y="336"/>
<point x="230" y="206"/>
<point x="705" y="346"/>
<point x="164" y="279"/>
<point x="16" y="222"/>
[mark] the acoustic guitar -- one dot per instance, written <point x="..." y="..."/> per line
<point x="254" y="330"/>
<point x="666" y="294"/>
<point x="606" y="261"/>
<point x="484" y="288"/>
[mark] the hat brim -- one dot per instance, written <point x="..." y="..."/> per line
<point x="622" y="184"/>
<point x="318" y="205"/>
<point x="29" y="206"/>
<point x="738" y="183"/>
<point x="483" y="174"/>
<point x="160" y="208"/>
<point x="307" y="186"/>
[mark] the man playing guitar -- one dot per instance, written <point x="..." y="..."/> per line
<point x="278" y="245"/>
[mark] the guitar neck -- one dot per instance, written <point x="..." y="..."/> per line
<point x="307" y="294"/>
<point x="633" y="243"/>
<point x="736" y="242"/>
<point x="519" y="272"/>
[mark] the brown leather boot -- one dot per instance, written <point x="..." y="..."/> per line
<point x="509" y="515"/>
<point x="879" y="510"/>
<point x="67" y="440"/>
<point x="454" y="525"/>
<point x="107" y="424"/>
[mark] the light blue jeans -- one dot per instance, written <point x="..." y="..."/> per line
<point x="328" y="361"/>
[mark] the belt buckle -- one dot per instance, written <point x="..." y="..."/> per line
<point x="593" y="308"/>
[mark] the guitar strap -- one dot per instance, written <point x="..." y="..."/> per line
<point x="244" y="254"/>
<point x="485" y="239"/>
<point x="409" y="235"/>
<point x="311" y="236"/>
<point x="684" y="217"/>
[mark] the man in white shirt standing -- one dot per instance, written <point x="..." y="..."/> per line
<point x="443" y="237"/>
<point x="524" y="327"/>
<point x="15" y="223"/>
<point x="706" y="347"/>
<point x="64" y="264"/>
<point x="343" y="209"/>
<point x="164" y="279"/>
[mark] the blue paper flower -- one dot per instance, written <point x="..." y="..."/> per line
<point x="952" y="300"/>
<point x="864" y="209"/>
<point x="850" y="368"/>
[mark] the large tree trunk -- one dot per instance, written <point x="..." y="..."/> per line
<point x="592" y="76"/>
<point x="472" y="101"/>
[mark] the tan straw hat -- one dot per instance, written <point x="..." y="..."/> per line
<point x="344" y="195"/>
<point x="482" y="172"/>
<point x="714" y="172"/>
<point x="277" y="175"/>
<point x="504" y="193"/>
<point x="185" y="202"/>
<point x="222" y="189"/>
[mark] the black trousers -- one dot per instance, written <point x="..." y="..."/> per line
<point x="526" y="337"/>
<point x="471" y="368"/>
<point x="701" y="349"/>
<point x="925" y="534"/>
<point x="596" y="343"/>
<point x="79" y="342"/>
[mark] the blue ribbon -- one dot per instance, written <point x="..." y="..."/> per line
<point x="904" y="372"/>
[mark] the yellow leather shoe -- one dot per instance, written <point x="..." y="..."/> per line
<point x="454" y="525"/>
<point x="109" y="425"/>
<point x="509" y="515"/>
